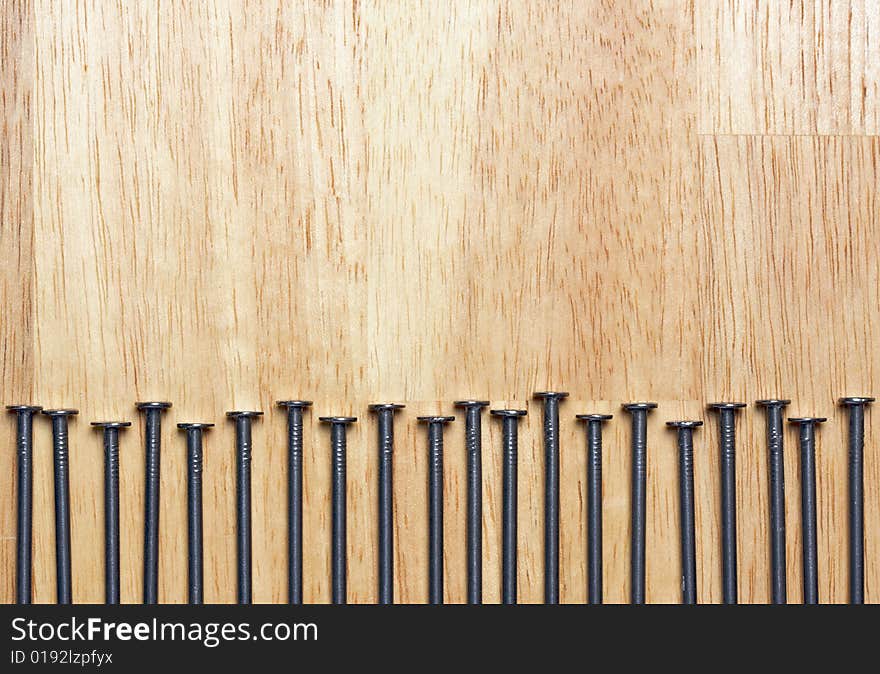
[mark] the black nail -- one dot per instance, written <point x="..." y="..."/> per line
<point x="856" y="406"/>
<point x="808" y="506"/>
<point x="61" y="462"/>
<point x="294" y="497"/>
<point x="594" y="504"/>
<point x="338" y="541"/>
<point x="194" y="529"/>
<point x="25" y="523"/>
<point x="686" y="508"/>
<point x="111" y="430"/>
<point x="435" y="506"/>
<point x="727" y="445"/>
<point x="153" y="453"/>
<point x="639" y="507"/>
<point x="243" y="450"/>
<point x="474" y="446"/>
<point x="551" y="493"/>
<point x="24" y="443"/>
<point x="775" y="445"/>
<point x="510" y="445"/>
<point x="385" y="417"/>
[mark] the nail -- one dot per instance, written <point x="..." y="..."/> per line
<point x="153" y="449"/>
<point x="727" y="444"/>
<point x="474" y="446"/>
<point x="594" y="504"/>
<point x="385" y="417"/>
<point x="686" y="508"/>
<point x="25" y="522"/>
<point x="295" y="497"/>
<point x="338" y="426"/>
<point x="111" y="430"/>
<point x="639" y="412"/>
<point x="243" y="449"/>
<point x="61" y="462"/>
<point x="775" y="437"/>
<point x="808" y="506"/>
<point x="856" y="407"/>
<point x="435" y="506"/>
<point x="509" y="442"/>
<point x="551" y="493"/>
<point x="194" y="434"/>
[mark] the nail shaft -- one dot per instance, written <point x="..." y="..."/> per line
<point x="807" y="427"/>
<point x="594" y="504"/>
<point x="639" y="413"/>
<point x="435" y="507"/>
<point x="153" y="450"/>
<point x="856" y="456"/>
<point x="510" y="450"/>
<point x="195" y="565"/>
<point x="295" y="498"/>
<point x="776" y="464"/>
<point x="338" y="539"/>
<point x="110" y="431"/>
<point x="727" y="447"/>
<point x="25" y="500"/>
<point x="243" y="453"/>
<point x="61" y="462"/>
<point x="473" y="445"/>
<point x="685" y="431"/>
<point x="339" y="515"/>
<point x="385" y="442"/>
<point x="551" y="494"/>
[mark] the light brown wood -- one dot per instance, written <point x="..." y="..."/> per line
<point x="228" y="203"/>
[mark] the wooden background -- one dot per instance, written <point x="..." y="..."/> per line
<point x="232" y="202"/>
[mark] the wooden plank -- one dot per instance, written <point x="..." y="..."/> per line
<point x="17" y="278"/>
<point x="243" y="201"/>
<point x="804" y="68"/>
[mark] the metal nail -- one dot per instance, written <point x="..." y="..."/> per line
<point x="856" y="445"/>
<point x="195" y="580"/>
<point x="338" y="426"/>
<point x="686" y="508"/>
<point x="110" y="431"/>
<point x="295" y="410"/>
<point x="61" y="463"/>
<point x="24" y="443"/>
<point x="243" y="449"/>
<point x="551" y="493"/>
<point x="639" y="412"/>
<point x="474" y="447"/>
<point x="435" y="506"/>
<point x="153" y="450"/>
<point x="775" y="445"/>
<point x="509" y="442"/>
<point x="25" y="516"/>
<point x="807" y="427"/>
<point x="385" y="424"/>
<point x="727" y="445"/>
<point x="594" y="504"/>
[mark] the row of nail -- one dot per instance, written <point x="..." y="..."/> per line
<point x="473" y="411"/>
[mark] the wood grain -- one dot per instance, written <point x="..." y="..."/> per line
<point x="228" y="203"/>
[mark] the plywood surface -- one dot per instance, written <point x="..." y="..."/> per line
<point x="228" y="203"/>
